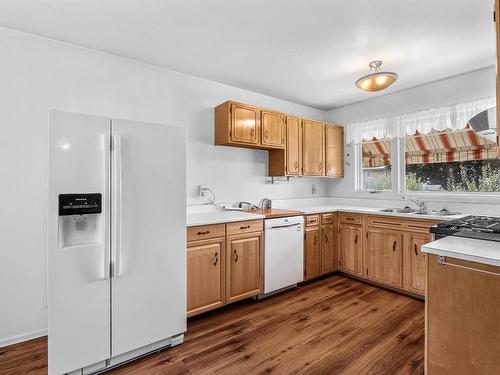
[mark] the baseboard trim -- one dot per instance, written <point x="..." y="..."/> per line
<point x="20" y="338"/>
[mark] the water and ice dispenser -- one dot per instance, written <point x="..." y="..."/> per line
<point x="79" y="219"/>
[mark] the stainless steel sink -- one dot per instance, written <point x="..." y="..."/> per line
<point x="406" y="210"/>
<point x="436" y="213"/>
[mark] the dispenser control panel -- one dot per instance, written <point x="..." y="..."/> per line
<point x="80" y="204"/>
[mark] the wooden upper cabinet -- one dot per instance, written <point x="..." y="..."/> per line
<point x="245" y="124"/>
<point x="415" y="263"/>
<point x="385" y="257"/>
<point x="313" y="148"/>
<point x="244" y="263"/>
<point x="237" y="124"/>
<point x="273" y="129"/>
<point x="293" y="146"/>
<point x="334" y="151"/>
<point x="312" y="255"/>
<point x="206" y="275"/>
<point x="350" y="250"/>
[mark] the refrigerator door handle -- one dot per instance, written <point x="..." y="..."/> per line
<point x="107" y="240"/>
<point x="116" y="221"/>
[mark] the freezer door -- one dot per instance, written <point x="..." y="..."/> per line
<point x="148" y="234"/>
<point x="78" y="245"/>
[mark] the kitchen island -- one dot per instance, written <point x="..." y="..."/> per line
<point x="462" y="306"/>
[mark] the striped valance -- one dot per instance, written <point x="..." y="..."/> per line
<point x="452" y="117"/>
<point x="436" y="147"/>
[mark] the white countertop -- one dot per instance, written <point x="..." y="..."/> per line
<point x="369" y="210"/>
<point x="219" y="217"/>
<point x="474" y="250"/>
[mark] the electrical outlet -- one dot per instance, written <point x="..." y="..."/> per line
<point x="203" y="190"/>
<point x="314" y="190"/>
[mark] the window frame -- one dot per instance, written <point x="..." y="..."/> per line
<point x="398" y="171"/>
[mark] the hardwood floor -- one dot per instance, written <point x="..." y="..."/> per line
<point x="331" y="326"/>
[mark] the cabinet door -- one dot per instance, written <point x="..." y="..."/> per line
<point x="205" y="275"/>
<point x="415" y="263"/>
<point x="273" y="129"/>
<point x="313" y="148"/>
<point x="245" y="124"/>
<point x="293" y="146"/>
<point x="328" y="261"/>
<point x="350" y="249"/>
<point x="244" y="256"/>
<point x="334" y="150"/>
<point x="385" y="256"/>
<point x="312" y="255"/>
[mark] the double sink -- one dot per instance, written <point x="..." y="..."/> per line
<point x="408" y="210"/>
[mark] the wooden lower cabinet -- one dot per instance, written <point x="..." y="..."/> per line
<point x="206" y="275"/>
<point x="350" y="249"/>
<point x="385" y="256"/>
<point x="224" y="269"/>
<point x="312" y="254"/>
<point x="462" y="318"/>
<point x="328" y="249"/>
<point x="414" y="262"/>
<point x="244" y="265"/>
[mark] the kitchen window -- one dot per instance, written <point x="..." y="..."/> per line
<point x="439" y="150"/>
<point x="454" y="161"/>
<point x="376" y="170"/>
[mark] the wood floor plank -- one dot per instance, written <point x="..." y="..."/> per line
<point x="334" y="325"/>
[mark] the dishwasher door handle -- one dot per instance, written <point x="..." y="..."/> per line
<point x="285" y="226"/>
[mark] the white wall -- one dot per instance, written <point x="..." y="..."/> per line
<point x="38" y="74"/>
<point x="474" y="85"/>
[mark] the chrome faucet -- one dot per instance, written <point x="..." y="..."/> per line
<point x="420" y="204"/>
<point x="265" y="203"/>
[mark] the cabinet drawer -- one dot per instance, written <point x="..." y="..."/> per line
<point x="312" y="220"/>
<point x="419" y="226"/>
<point x="327" y="218"/>
<point x="245" y="227"/>
<point x="386" y="222"/>
<point x="203" y="232"/>
<point x="348" y="218"/>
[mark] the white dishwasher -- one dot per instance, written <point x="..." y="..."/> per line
<point x="283" y="253"/>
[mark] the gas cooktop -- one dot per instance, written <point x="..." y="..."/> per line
<point x="481" y="227"/>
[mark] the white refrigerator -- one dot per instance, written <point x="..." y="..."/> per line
<point x="116" y="241"/>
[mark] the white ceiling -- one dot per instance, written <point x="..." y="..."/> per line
<point x="308" y="51"/>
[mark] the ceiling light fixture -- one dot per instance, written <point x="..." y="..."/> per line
<point x="377" y="80"/>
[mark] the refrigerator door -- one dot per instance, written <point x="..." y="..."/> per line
<point x="78" y="245"/>
<point x="148" y="234"/>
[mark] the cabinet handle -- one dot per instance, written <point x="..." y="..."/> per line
<point x="356" y="239"/>
<point x="415" y="249"/>
<point x="235" y="256"/>
<point x="266" y="134"/>
<point x="296" y="165"/>
<point x="315" y="240"/>
<point x="245" y="227"/>
<point x="394" y="246"/>
<point x="320" y="166"/>
<point x="326" y="238"/>
<point x="203" y="233"/>
<point x="329" y="167"/>
<point x="252" y="132"/>
<point x="216" y="259"/>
